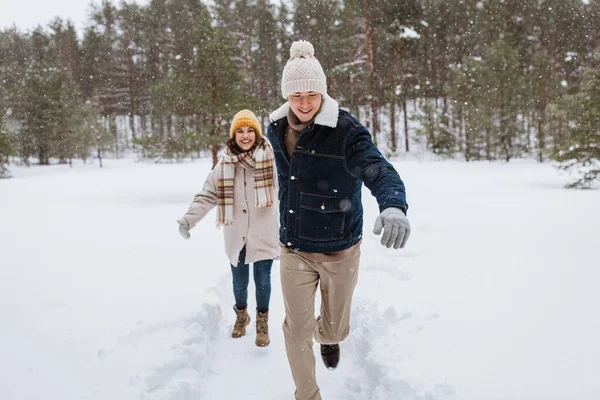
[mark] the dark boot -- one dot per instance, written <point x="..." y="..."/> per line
<point x="262" y="329"/>
<point x="330" y="353"/>
<point x="241" y="322"/>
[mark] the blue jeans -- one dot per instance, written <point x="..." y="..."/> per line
<point x="262" y="281"/>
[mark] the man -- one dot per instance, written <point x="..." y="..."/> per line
<point x="323" y="155"/>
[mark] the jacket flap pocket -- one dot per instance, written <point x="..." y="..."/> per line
<point x="324" y="204"/>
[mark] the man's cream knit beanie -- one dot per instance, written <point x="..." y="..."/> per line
<point x="303" y="72"/>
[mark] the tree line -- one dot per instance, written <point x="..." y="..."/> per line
<point x="479" y="79"/>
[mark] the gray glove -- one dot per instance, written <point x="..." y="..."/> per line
<point x="184" y="228"/>
<point x="396" y="228"/>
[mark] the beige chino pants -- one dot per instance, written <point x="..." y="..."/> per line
<point x="299" y="279"/>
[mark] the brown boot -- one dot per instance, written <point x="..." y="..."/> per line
<point x="241" y="322"/>
<point x="262" y="329"/>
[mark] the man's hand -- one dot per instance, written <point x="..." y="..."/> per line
<point x="396" y="228"/>
<point x="184" y="228"/>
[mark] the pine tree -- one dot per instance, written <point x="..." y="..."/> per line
<point x="5" y="149"/>
<point x="92" y="136"/>
<point x="503" y="81"/>
<point x="131" y="44"/>
<point x="110" y="66"/>
<point x="489" y="75"/>
<point x="229" y="49"/>
<point x="473" y="121"/>
<point x="16" y="57"/>
<point x="580" y="154"/>
<point x="35" y="106"/>
<point x="395" y="27"/>
<point x="266" y="66"/>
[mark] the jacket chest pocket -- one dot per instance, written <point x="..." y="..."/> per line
<point x="321" y="218"/>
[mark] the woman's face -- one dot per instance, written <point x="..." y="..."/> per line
<point x="245" y="137"/>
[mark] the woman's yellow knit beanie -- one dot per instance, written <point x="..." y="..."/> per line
<point x="245" y="118"/>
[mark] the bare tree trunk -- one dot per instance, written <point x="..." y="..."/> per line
<point x="445" y="118"/>
<point x="371" y="70"/>
<point x="467" y="136"/>
<point x="460" y="129"/>
<point x="143" y="125"/>
<point x="112" y="122"/>
<point x="403" y="91"/>
<point x="393" y="144"/>
<point x="541" y="134"/>
<point x="375" y="117"/>
<point x="522" y="123"/>
<point x="100" y="156"/>
<point x="406" y="141"/>
<point x="131" y="92"/>
<point x="196" y="129"/>
<point x="488" y="143"/>
<point x="430" y="123"/>
<point x="504" y="134"/>
<point x="213" y="121"/>
<point x="169" y="125"/>
<point x="393" y="140"/>
<point x="541" y="121"/>
<point x="355" y="108"/>
<point x="132" y="125"/>
<point x="529" y="125"/>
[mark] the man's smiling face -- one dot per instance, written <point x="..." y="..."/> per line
<point x="305" y="104"/>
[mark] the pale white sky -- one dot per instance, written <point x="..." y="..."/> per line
<point x="26" y="14"/>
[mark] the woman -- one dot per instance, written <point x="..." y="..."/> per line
<point x="243" y="186"/>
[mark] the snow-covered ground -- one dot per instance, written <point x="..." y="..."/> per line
<point x="495" y="296"/>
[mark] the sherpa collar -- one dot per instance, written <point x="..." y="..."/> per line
<point x="327" y="117"/>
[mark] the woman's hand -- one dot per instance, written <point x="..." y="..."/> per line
<point x="184" y="228"/>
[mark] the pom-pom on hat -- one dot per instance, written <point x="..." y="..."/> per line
<point x="303" y="72"/>
<point x="245" y="118"/>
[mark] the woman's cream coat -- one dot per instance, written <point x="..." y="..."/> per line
<point x="255" y="227"/>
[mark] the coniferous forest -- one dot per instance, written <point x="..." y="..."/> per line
<point x="469" y="79"/>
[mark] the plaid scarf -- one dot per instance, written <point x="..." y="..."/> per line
<point x="261" y="159"/>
